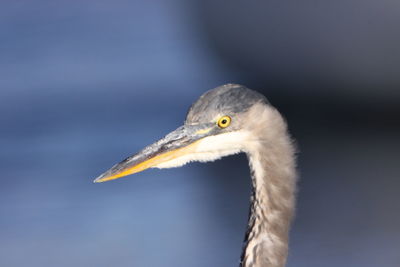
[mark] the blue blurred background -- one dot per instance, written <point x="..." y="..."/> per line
<point x="83" y="84"/>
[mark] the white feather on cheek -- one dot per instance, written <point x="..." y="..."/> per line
<point x="211" y="148"/>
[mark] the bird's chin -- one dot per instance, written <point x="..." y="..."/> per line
<point x="209" y="149"/>
<point x="197" y="157"/>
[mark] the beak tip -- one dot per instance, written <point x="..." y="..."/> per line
<point x="99" y="179"/>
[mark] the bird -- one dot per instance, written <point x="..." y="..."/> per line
<point x="227" y="120"/>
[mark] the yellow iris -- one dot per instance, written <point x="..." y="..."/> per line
<point x="224" y="121"/>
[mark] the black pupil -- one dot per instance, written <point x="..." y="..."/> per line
<point x="224" y="121"/>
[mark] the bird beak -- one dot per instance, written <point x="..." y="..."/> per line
<point x="175" y="145"/>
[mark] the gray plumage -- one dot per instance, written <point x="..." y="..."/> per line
<point x="255" y="128"/>
<point x="236" y="100"/>
<point x="227" y="99"/>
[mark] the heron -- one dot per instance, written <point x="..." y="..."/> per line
<point x="227" y="120"/>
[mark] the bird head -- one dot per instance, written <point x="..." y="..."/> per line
<point x="215" y="126"/>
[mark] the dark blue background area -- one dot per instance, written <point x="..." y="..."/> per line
<point x="84" y="84"/>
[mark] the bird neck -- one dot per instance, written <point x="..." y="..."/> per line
<point x="272" y="202"/>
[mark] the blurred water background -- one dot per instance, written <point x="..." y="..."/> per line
<point x="83" y="84"/>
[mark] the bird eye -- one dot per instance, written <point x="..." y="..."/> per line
<point x="224" y="122"/>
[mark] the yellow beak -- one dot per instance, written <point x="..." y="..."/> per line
<point x="178" y="143"/>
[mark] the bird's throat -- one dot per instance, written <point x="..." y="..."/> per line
<point x="272" y="205"/>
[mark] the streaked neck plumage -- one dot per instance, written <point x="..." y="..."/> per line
<point x="272" y="164"/>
